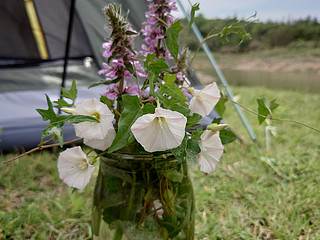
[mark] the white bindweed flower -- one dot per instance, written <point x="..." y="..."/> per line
<point x="163" y="130"/>
<point x="211" y="151"/>
<point x="204" y="100"/>
<point x="74" y="167"/>
<point x="101" y="144"/>
<point x="96" y="135"/>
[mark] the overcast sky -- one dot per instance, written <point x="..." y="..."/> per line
<point x="281" y="10"/>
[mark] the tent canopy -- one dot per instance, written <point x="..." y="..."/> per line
<point x="33" y="37"/>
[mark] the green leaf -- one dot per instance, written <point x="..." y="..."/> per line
<point x="112" y="184"/>
<point x="149" y="108"/>
<point x="232" y="28"/>
<point x="152" y="79"/>
<point x="70" y="94"/>
<point x="74" y="119"/>
<point x="55" y="132"/>
<point x="183" y="110"/>
<point x="193" y="120"/>
<point x="48" y="114"/>
<point x="194" y="8"/>
<point x="221" y="107"/>
<point x="217" y="120"/>
<point x="170" y="94"/>
<point x="114" y="53"/>
<point x="172" y="175"/>
<point x="180" y="151"/>
<point x="196" y="135"/>
<point x="62" y="103"/>
<point x="112" y="214"/>
<point x="129" y="115"/>
<point x="107" y="82"/>
<point x="57" y="121"/>
<point x="106" y="101"/>
<point x="129" y="67"/>
<point x="193" y="150"/>
<point x="265" y="110"/>
<point x="130" y="33"/>
<point x="273" y="105"/>
<point x="149" y="59"/>
<point x="114" y="43"/>
<point x="158" y="66"/>
<point x="172" y="38"/>
<point x="244" y="35"/>
<point x="227" y="136"/>
<point x="154" y="68"/>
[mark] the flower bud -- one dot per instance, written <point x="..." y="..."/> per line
<point x="191" y="90"/>
<point x="67" y="110"/>
<point x="216" y="127"/>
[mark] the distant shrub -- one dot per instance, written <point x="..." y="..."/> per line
<point x="281" y="37"/>
<point x="304" y="32"/>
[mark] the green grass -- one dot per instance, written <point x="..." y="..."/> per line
<point x="35" y="204"/>
<point x="253" y="193"/>
<point x="259" y="194"/>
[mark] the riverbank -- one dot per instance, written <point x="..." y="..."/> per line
<point x="278" y="66"/>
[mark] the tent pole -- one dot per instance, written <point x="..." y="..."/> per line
<point x="67" y="50"/>
<point x="220" y="74"/>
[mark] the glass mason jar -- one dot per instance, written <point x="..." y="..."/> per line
<point x="141" y="197"/>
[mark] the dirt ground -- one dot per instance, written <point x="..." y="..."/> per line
<point x="277" y="65"/>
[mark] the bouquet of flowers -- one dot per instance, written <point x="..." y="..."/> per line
<point x="144" y="132"/>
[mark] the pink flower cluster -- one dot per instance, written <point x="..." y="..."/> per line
<point x="115" y="70"/>
<point x="154" y="29"/>
<point x="128" y="88"/>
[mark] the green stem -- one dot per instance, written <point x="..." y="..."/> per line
<point x="131" y="199"/>
<point x="118" y="234"/>
<point x="45" y="142"/>
<point x="119" y="107"/>
<point x="200" y="45"/>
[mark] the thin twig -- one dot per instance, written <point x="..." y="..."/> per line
<point x="272" y="118"/>
<point x="45" y="142"/>
<point x="40" y="148"/>
<point x="200" y="45"/>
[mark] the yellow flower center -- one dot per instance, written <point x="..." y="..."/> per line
<point x="96" y="115"/>
<point x="83" y="164"/>
<point x="160" y="120"/>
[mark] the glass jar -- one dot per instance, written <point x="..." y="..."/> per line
<point x="141" y="197"/>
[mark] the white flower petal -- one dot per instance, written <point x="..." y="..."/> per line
<point x="163" y="130"/>
<point x="74" y="167"/>
<point x="204" y="100"/>
<point x="96" y="135"/>
<point x="211" y="151"/>
<point x="101" y="144"/>
<point x="88" y="130"/>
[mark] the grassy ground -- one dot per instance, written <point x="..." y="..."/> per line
<point x="259" y="194"/>
<point x="253" y="194"/>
